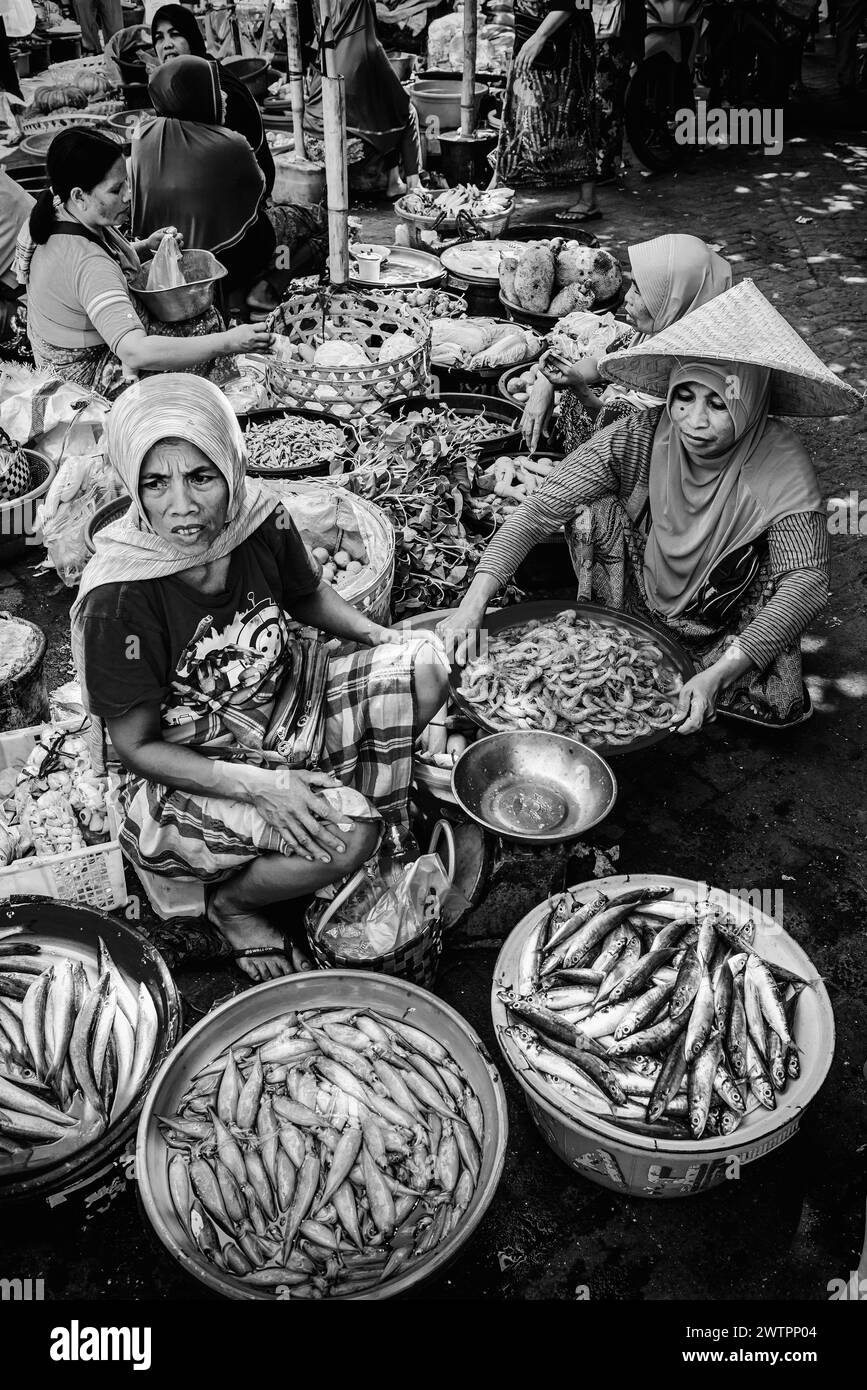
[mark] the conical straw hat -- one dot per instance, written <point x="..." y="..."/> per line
<point x="738" y="326"/>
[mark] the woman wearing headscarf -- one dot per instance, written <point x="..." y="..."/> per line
<point x="83" y="323"/>
<point x="181" y="636"/>
<point x="378" y="109"/>
<point x="175" y="33"/>
<point x="702" y="515"/>
<point x="187" y="168"/>
<point x="671" y="276"/>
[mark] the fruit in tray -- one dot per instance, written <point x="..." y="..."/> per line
<point x="481" y="344"/>
<point x="464" y="198"/>
<point x="511" y="479"/>
<point x="445" y="738"/>
<point x="521" y="384"/>
<point x="558" y="277"/>
<point x="342" y="563"/>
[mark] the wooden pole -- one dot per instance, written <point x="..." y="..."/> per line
<point x="266" y="25"/>
<point x="296" y="76"/>
<point x="336" y="175"/>
<point x="468" y="86"/>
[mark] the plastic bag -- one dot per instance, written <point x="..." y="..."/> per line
<point x="393" y="906"/>
<point x="79" y="489"/>
<point x="56" y="418"/>
<point x="165" y="269"/>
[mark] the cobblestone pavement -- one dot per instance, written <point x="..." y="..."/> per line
<point x="738" y="809"/>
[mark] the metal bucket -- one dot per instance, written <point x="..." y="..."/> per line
<point x="328" y="989"/>
<point x="636" y="1165"/>
<point x="201" y="270"/>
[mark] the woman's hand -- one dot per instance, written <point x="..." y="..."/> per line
<point x="457" y="631"/>
<point x="563" y="374"/>
<point x="249" y="337"/>
<point x="286" y="798"/>
<point x="153" y="241"/>
<point x="379" y="636"/>
<point x="528" y="54"/>
<point x="696" y="703"/>
<point x="537" y="413"/>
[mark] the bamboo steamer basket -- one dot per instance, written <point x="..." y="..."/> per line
<point x="371" y="590"/>
<point x="349" y="392"/>
<point x="316" y="990"/>
<point x="637" y="1165"/>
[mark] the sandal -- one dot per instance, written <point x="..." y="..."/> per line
<point x="591" y="215"/>
<point x="773" y="726"/>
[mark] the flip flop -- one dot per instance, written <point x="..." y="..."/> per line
<point x="592" y="215"/>
<point x="248" y="952"/>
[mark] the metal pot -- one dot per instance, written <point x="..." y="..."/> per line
<point x="201" y="272"/>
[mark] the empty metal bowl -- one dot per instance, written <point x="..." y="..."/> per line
<point x="535" y="787"/>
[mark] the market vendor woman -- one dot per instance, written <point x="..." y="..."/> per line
<point x="703" y="515"/>
<point x="181" y="635"/>
<point x="82" y="321"/>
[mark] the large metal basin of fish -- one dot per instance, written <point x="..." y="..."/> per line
<point x="532" y="786"/>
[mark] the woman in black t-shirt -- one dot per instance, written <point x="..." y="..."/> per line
<point x="184" y="641"/>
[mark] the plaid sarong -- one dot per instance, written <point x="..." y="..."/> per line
<point x="370" y="727"/>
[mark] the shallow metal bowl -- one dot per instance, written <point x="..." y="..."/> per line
<point x="201" y="270"/>
<point x="536" y="787"/>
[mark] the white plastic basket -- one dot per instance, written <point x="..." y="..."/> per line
<point x="92" y="876"/>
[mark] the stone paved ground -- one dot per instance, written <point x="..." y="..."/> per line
<point x="735" y="808"/>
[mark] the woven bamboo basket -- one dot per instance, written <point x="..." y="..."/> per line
<point x="369" y="321"/>
<point x="319" y="510"/>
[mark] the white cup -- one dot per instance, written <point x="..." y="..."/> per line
<point x="369" y="264"/>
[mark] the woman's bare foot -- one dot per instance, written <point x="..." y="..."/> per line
<point x="246" y="930"/>
<point x="396" y="186"/>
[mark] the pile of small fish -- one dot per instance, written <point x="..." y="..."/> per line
<point x="602" y="683"/>
<point x="659" y="1015"/>
<point x="323" y="1152"/>
<point x="74" y="1049"/>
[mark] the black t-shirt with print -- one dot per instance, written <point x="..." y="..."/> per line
<point x="135" y="634"/>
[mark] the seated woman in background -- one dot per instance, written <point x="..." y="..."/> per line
<point x="188" y="169"/>
<point x="702" y="515"/>
<point x="378" y="110"/>
<point x="671" y="276"/>
<point x="175" y="33"/>
<point x="181" y="637"/>
<point x="82" y="321"/>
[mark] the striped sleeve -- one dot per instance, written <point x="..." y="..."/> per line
<point x="614" y="460"/>
<point x="800" y="562"/>
<point x="102" y="292"/>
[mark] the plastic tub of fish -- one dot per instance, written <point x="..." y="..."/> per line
<point x="52" y="1134"/>
<point x="616" y="1145"/>
<point x="341" y="1134"/>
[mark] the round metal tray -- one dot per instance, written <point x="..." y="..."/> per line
<point x="678" y="661"/>
<point x="405" y="268"/>
<point x="478" y="262"/>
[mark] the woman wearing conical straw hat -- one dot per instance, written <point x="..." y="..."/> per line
<point x="702" y="515"/>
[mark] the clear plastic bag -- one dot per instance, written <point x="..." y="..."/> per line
<point x="165" y="269"/>
<point x="80" y="488"/>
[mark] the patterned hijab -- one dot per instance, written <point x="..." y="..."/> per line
<point x="702" y="512"/>
<point x="128" y="551"/>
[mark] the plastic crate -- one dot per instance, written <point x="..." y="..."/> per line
<point x="92" y="876"/>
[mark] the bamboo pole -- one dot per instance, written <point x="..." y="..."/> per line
<point x="468" y="86"/>
<point x="296" y="76"/>
<point x="336" y="175"/>
<point x="266" y="25"/>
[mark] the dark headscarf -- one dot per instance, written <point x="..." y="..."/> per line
<point x="185" y="22"/>
<point x="242" y="110"/>
<point x="183" y="162"/>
